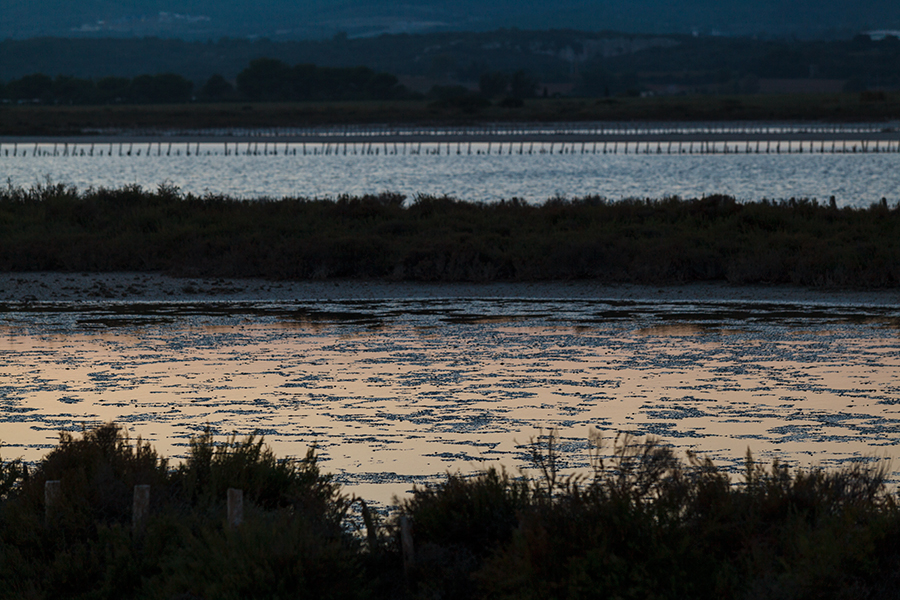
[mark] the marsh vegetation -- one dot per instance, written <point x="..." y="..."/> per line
<point x="55" y="227"/>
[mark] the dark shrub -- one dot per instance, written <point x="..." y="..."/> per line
<point x="292" y="543"/>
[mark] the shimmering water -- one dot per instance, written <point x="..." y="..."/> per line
<point x="328" y="171"/>
<point x="398" y="390"/>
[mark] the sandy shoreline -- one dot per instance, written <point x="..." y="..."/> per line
<point x="16" y="288"/>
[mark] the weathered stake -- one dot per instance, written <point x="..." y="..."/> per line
<point x="52" y="496"/>
<point x="140" y="507"/>
<point x="235" y="507"/>
<point x="406" y="543"/>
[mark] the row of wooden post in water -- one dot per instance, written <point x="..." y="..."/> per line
<point x="448" y="148"/>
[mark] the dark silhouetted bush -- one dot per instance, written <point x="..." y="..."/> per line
<point x="641" y="523"/>
<point x="292" y="544"/>
<point x="647" y="525"/>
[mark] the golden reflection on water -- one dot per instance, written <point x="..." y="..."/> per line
<point x="390" y="404"/>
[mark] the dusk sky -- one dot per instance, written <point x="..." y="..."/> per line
<point x="283" y="19"/>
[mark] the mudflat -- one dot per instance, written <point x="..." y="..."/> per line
<point x="156" y="287"/>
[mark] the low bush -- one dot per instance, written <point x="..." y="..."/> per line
<point x="292" y="543"/>
<point x="647" y="525"/>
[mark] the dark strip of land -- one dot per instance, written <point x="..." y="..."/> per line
<point x="671" y="240"/>
<point x="524" y="136"/>
<point x="21" y="120"/>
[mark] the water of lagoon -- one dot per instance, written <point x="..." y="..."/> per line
<point x="854" y="179"/>
<point x="398" y="390"/>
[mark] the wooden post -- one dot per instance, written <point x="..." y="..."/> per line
<point x="406" y="543"/>
<point x="235" y="507"/>
<point x="140" y="507"/>
<point x="52" y="495"/>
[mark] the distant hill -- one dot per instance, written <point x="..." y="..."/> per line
<point x="565" y="62"/>
<point x="316" y="19"/>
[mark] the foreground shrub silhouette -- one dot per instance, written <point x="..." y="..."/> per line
<point x="459" y="524"/>
<point x="291" y="544"/>
<point x="646" y="525"/>
<point x="640" y="524"/>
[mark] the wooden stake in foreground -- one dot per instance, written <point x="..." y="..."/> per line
<point x="140" y="507"/>
<point x="235" y="507"/>
<point x="52" y="496"/>
<point x="406" y="543"/>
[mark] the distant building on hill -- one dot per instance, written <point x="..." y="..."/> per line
<point x="880" y="34"/>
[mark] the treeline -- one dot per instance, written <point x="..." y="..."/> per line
<point x="263" y="80"/>
<point x="641" y="523"/>
<point x="55" y="227"/>
<point x="166" y="88"/>
<point x="581" y="63"/>
<point x="269" y="79"/>
<point x="453" y="106"/>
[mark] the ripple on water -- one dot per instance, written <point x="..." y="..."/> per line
<point x="454" y="385"/>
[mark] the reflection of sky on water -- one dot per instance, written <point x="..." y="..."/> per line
<point x="854" y="179"/>
<point x="396" y="391"/>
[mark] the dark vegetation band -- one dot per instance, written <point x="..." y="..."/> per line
<point x="54" y="227"/>
<point x="263" y="80"/>
<point x="641" y="523"/>
<point x="559" y="62"/>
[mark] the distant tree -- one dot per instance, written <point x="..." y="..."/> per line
<point x="167" y="88"/>
<point x="37" y="87"/>
<point x="596" y="81"/>
<point x="522" y="85"/>
<point x="443" y="93"/>
<point x="265" y="79"/>
<point x="383" y="86"/>
<point x="112" y="90"/>
<point x="272" y="80"/>
<point x="783" y="61"/>
<point x="72" y="90"/>
<point x="512" y="102"/>
<point x="471" y="71"/>
<point x="470" y="103"/>
<point x="493" y="83"/>
<point x="342" y="84"/>
<point x="457" y="97"/>
<point x="303" y="82"/>
<point x="861" y="41"/>
<point x="216" y="88"/>
<point x="442" y="65"/>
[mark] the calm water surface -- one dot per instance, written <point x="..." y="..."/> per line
<point x="397" y="391"/>
<point x="854" y="179"/>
